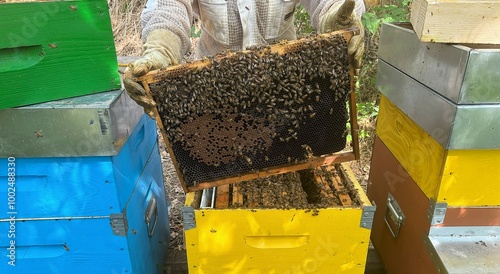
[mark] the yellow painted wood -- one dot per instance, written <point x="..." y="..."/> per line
<point x="457" y="21"/>
<point x="277" y="240"/>
<point x="420" y="155"/>
<point x="361" y="195"/>
<point x="471" y="177"/>
<point x="457" y="177"/>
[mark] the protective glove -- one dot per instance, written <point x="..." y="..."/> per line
<point x="341" y="17"/>
<point x="162" y="49"/>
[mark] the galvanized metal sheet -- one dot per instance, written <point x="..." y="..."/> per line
<point x="453" y="126"/>
<point x="422" y="105"/>
<point x="92" y="125"/>
<point x="482" y="77"/>
<point x="476" y="126"/>
<point x="465" y="74"/>
<point x="465" y="249"/>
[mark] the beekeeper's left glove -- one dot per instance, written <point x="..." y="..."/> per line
<point x="161" y="50"/>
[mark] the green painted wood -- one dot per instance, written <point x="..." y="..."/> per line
<point x="55" y="50"/>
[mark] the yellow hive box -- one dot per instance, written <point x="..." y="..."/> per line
<point x="457" y="177"/>
<point x="326" y="240"/>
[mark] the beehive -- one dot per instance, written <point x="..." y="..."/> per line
<point x="252" y="114"/>
<point x="247" y="111"/>
<point x="273" y="237"/>
<point x="433" y="174"/>
<point x="55" y="49"/>
<point x="442" y="132"/>
<point x="88" y="178"/>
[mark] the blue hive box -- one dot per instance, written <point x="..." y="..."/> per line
<point x="82" y="188"/>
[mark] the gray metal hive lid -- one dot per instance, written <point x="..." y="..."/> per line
<point x="465" y="74"/>
<point x="91" y="125"/>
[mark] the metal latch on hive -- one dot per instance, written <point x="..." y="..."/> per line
<point x="119" y="223"/>
<point x="188" y="217"/>
<point x="395" y="214"/>
<point x="436" y="212"/>
<point x="367" y="217"/>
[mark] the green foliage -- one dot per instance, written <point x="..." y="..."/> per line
<point x="367" y="109"/>
<point x="302" y="21"/>
<point x="195" y="32"/>
<point x="367" y="94"/>
<point x="397" y="12"/>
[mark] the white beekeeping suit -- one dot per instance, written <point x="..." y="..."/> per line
<point x="231" y="25"/>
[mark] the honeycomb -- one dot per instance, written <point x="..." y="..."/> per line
<point x="255" y="109"/>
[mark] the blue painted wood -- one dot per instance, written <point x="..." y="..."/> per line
<point x="80" y="186"/>
<point x="91" y="188"/>
<point x="148" y="252"/>
<point x="62" y="187"/>
<point x="133" y="156"/>
<point x="77" y="246"/>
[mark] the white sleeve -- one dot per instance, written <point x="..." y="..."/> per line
<point x="172" y="15"/>
<point x="316" y="8"/>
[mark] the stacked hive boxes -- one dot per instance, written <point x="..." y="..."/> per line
<point x="85" y="188"/>
<point x="81" y="177"/>
<point x="434" y="173"/>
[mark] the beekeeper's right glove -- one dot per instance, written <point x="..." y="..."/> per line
<point x="340" y="17"/>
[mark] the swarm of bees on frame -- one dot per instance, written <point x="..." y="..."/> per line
<point x="294" y="190"/>
<point x="240" y="105"/>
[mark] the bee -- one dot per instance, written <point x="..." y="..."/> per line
<point x="248" y="160"/>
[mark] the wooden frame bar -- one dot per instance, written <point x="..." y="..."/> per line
<point x="281" y="48"/>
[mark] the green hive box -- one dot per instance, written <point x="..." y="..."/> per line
<point x="55" y="50"/>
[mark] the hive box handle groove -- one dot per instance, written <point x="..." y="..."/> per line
<point x="277" y="241"/>
<point x="12" y="59"/>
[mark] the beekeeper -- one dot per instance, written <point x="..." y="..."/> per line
<point x="231" y="25"/>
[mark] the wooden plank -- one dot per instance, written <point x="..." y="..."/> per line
<point x="457" y="21"/>
<point x="310" y="163"/>
<point x="62" y="50"/>
<point x="165" y="139"/>
<point x="326" y="190"/>
<point x="280" y="48"/>
<point x="222" y="198"/>
<point x="236" y="235"/>
<point x="353" y="116"/>
<point x="472" y="216"/>
<point x="471" y="178"/>
<point x="340" y="189"/>
<point x="444" y="175"/>
<point x="407" y="251"/>
<point x="420" y="155"/>
<point x="237" y="199"/>
<point x="351" y="180"/>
